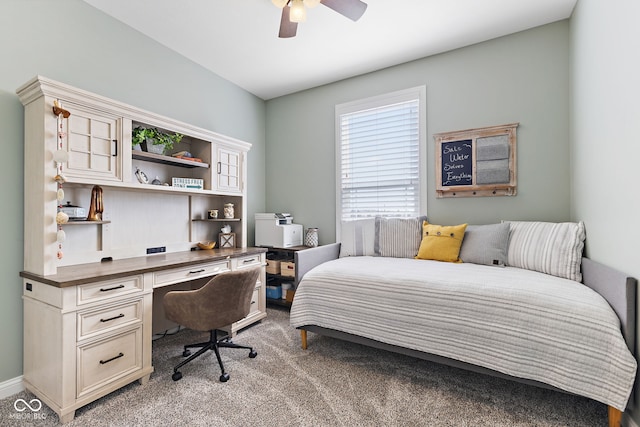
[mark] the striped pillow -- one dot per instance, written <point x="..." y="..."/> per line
<point x="398" y="237"/>
<point x="357" y="237"/>
<point x="551" y="248"/>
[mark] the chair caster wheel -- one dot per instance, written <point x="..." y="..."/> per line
<point x="176" y="376"/>
<point x="253" y="354"/>
<point x="186" y="353"/>
<point x="224" y="378"/>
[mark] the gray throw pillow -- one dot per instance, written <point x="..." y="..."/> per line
<point x="485" y="244"/>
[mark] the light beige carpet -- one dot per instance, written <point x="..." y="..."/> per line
<point x="333" y="383"/>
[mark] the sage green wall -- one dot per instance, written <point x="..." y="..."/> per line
<point x="522" y="78"/>
<point x="605" y="41"/>
<point x="74" y="43"/>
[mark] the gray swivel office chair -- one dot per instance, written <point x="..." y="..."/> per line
<point x="225" y="299"/>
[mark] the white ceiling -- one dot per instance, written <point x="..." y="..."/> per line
<point x="238" y="39"/>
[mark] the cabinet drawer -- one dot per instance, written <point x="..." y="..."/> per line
<point x="106" y="319"/>
<point x="178" y="275"/>
<point x="255" y="300"/>
<point x="93" y="292"/>
<point x="248" y="261"/>
<point x="104" y="361"/>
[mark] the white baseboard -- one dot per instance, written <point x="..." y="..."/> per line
<point x="11" y="387"/>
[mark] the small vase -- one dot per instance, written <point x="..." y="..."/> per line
<point x="152" y="148"/>
<point x="311" y="237"/>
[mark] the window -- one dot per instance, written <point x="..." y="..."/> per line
<point x="380" y="156"/>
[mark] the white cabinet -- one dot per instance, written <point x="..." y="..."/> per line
<point x="97" y="338"/>
<point x="229" y="170"/>
<point x="93" y="142"/>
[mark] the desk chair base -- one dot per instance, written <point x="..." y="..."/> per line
<point x="213" y="344"/>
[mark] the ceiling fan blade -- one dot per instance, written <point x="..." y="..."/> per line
<point x="287" y="28"/>
<point x="352" y="9"/>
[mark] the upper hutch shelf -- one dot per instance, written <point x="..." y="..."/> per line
<point x="167" y="160"/>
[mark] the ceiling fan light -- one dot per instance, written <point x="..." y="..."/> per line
<point x="280" y="3"/>
<point x="311" y="3"/>
<point x="298" y="12"/>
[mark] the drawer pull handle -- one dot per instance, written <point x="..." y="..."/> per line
<point x="253" y="302"/>
<point x="102" y="362"/>
<point x="246" y="261"/>
<point x="111" y="289"/>
<point x="196" y="271"/>
<point x="112" y="318"/>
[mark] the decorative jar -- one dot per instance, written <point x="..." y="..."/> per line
<point x="228" y="210"/>
<point x="311" y="237"/>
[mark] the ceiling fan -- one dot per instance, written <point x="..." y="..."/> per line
<point x="293" y="12"/>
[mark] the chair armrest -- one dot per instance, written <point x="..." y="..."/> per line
<point x="306" y="259"/>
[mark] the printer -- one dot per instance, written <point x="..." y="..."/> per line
<point x="277" y="230"/>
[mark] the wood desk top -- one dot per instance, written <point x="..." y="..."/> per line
<point x="97" y="271"/>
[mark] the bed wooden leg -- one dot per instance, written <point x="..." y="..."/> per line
<point x="303" y="337"/>
<point x="615" y="417"/>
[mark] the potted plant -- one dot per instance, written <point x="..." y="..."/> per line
<point x="154" y="140"/>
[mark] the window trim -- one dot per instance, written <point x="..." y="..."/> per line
<point x="418" y="92"/>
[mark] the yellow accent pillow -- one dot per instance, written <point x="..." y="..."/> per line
<point x="441" y="242"/>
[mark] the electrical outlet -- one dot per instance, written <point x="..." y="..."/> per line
<point x="156" y="250"/>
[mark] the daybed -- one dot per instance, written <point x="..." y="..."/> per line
<point x="516" y="307"/>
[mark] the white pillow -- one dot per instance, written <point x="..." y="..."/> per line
<point x="547" y="247"/>
<point x="357" y="237"/>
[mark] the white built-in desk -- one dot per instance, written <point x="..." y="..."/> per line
<point x="88" y="328"/>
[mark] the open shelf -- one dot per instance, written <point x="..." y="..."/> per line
<point x="84" y="222"/>
<point x="167" y="160"/>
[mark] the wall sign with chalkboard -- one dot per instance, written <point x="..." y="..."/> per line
<point x="476" y="162"/>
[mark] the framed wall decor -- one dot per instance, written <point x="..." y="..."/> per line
<point x="476" y="162"/>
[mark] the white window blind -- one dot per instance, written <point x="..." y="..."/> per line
<point x="379" y="157"/>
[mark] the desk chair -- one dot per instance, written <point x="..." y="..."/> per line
<point x="225" y="299"/>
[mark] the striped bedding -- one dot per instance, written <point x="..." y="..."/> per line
<point x="515" y="321"/>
